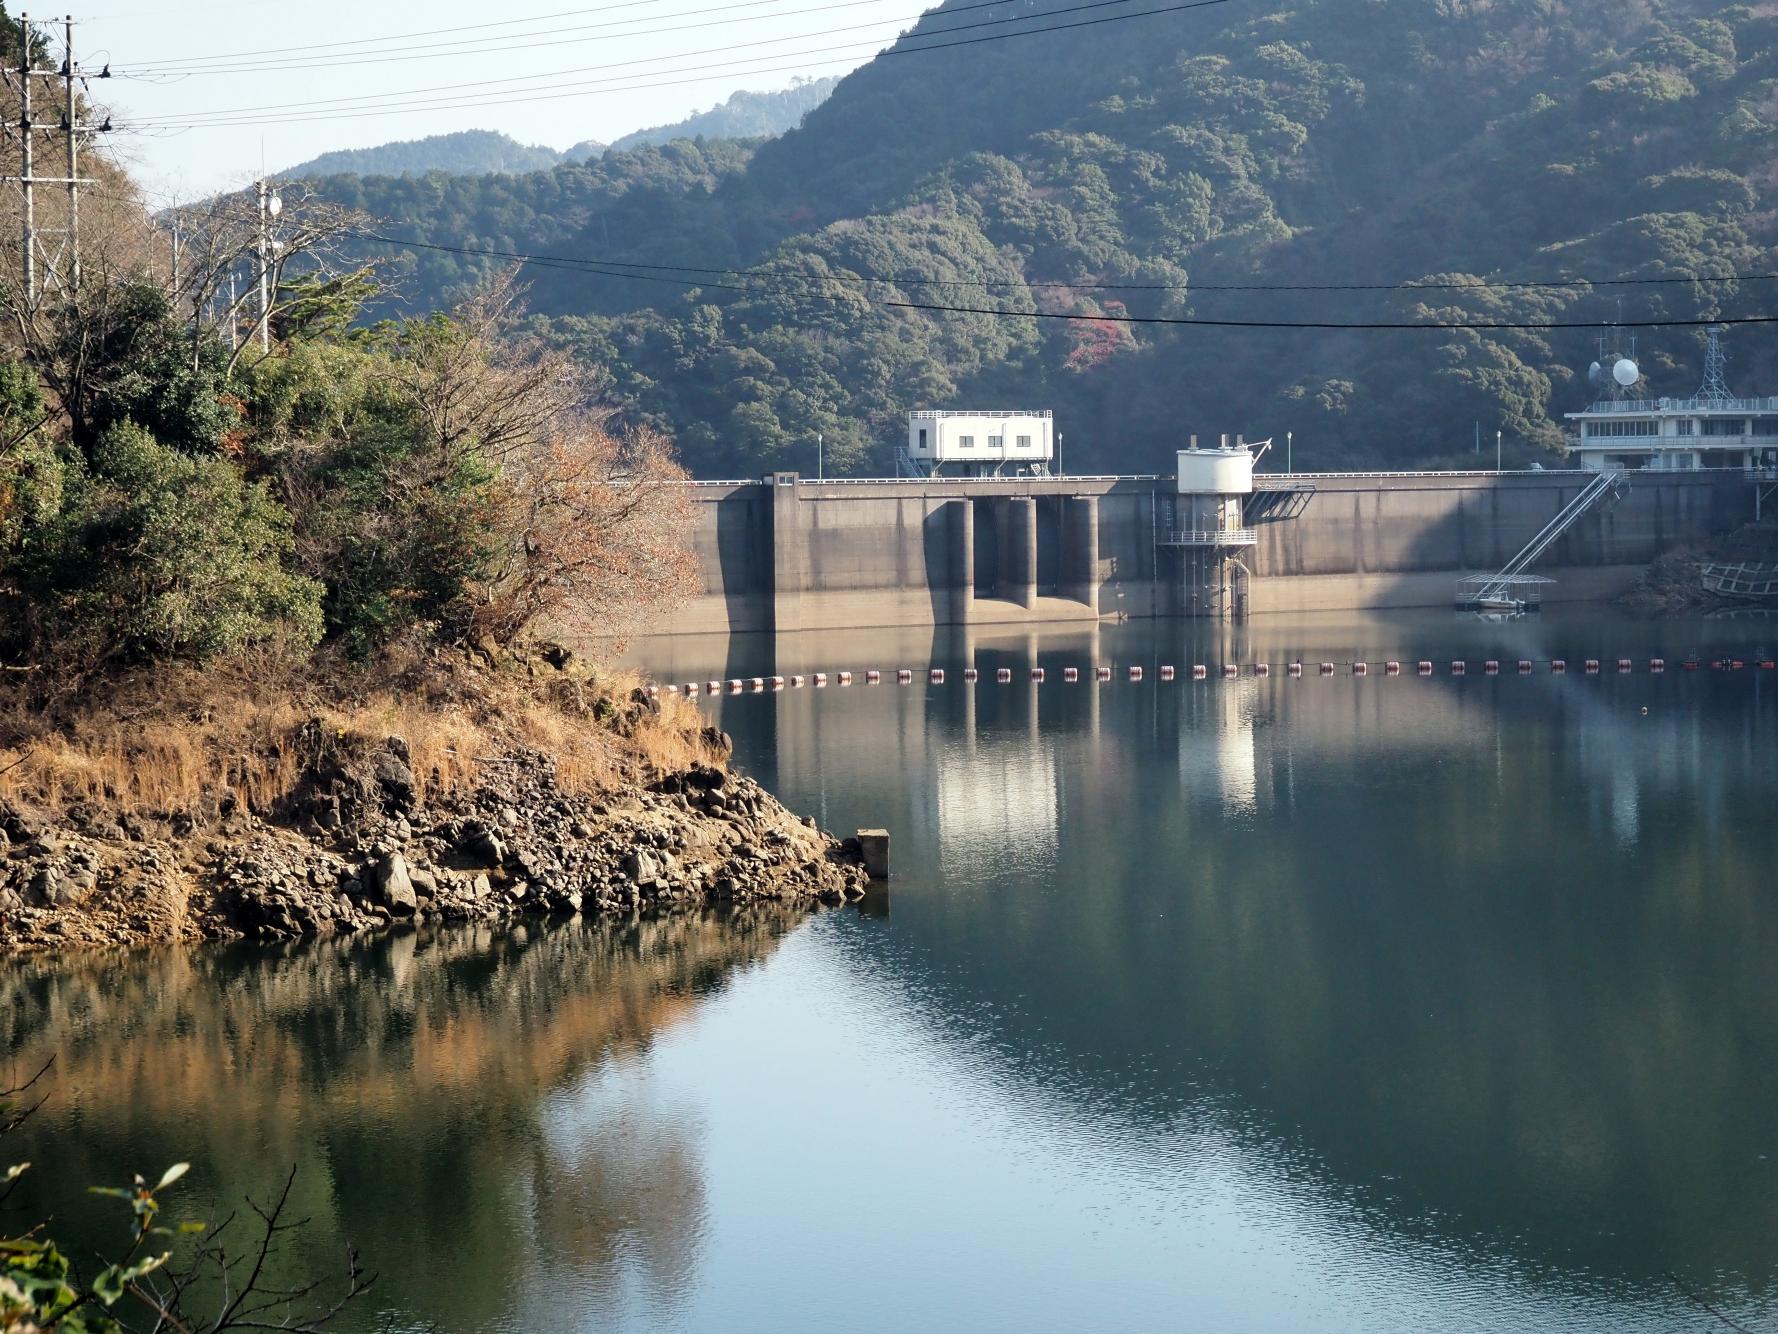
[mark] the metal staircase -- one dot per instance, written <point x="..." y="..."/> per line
<point x="1606" y="484"/>
<point x="906" y="465"/>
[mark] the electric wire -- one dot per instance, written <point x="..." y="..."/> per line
<point x="403" y="36"/>
<point x="380" y="101"/>
<point x="468" y="48"/>
<point x="909" y="280"/>
<point x="521" y="257"/>
<point x="471" y="47"/>
<point x="191" y="122"/>
<point x="543" y="76"/>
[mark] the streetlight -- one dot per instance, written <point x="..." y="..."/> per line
<point x="818" y="457"/>
<point x="1497" y="467"/>
<point x="1289" y="466"/>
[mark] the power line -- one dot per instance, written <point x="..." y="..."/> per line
<point x="399" y="36"/>
<point x="1411" y="285"/>
<point x="191" y="122"/>
<point x="724" y="70"/>
<point x="588" y="267"/>
<point x="393" y="98"/>
<point x="469" y="47"/>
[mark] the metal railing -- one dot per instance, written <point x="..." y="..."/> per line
<point x="1207" y="537"/>
<point x="1610" y="407"/>
<point x="1261" y="481"/>
<point x="937" y="414"/>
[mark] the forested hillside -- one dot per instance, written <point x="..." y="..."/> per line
<point x="743" y="115"/>
<point x="1313" y="142"/>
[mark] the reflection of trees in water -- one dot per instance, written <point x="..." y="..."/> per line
<point x="444" y="1094"/>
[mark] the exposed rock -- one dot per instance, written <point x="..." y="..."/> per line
<point x="396" y="779"/>
<point x="359" y="847"/>
<point x="393" y="886"/>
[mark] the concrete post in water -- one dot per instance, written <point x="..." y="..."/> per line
<point x="960" y="544"/>
<point x="1080" y="550"/>
<point x="873" y="850"/>
<point x="1018" y="550"/>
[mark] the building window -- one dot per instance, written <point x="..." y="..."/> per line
<point x="922" y="437"/>
<point x="1723" y="426"/>
<point x="966" y="442"/>
<point x="996" y="441"/>
<point x="1025" y="440"/>
<point x="1598" y="430"/>
<point x="1684" y="426"/>
<point x="1765" y="425"/>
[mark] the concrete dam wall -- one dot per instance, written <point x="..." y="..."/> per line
<point x="785" y="554"/>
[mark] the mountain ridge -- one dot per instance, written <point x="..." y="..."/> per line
<point x="742" y="115"/>
<point x="1465" y="143"/>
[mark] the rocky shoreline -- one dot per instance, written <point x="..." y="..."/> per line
<point x="357" y="845"/>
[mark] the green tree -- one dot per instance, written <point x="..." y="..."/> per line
<point x="156" y="554"/>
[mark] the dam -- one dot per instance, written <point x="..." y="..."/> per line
<point x="784" y="553"/>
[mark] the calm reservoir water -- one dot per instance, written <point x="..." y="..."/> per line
<point x="1344" y="1004"/>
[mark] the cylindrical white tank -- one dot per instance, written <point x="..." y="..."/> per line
<point x="1215" y="472"/>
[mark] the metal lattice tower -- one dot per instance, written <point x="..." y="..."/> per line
<point x="1716" y="363"/>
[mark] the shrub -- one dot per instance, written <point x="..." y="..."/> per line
<point x="158" y="554"/>
<point x="126" y="358"/>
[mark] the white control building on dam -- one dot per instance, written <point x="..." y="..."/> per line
<point x="1713" y="428"/>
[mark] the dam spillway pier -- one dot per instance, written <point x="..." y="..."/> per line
<point x="785" y="553"/>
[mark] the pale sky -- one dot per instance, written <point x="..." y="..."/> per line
<point x="203" y="92"/>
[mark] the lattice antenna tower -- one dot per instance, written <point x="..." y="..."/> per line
<point x="1716" y="364"/>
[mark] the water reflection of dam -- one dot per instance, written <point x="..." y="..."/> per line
<point x="1001" y="755"/>
<point x="1491" y="951"/>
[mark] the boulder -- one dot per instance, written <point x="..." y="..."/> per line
<point x="396" y="779"/>
<point x="392" y="885"/>
<point x="484" y="845"/>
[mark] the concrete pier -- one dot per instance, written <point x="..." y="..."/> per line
<point x="1016" y="522"/>
<point x="1080" y="550"/>
<point x="785" y="554"/>
<point x="960" y="556"/>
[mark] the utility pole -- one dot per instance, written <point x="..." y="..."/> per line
<point x="270" y="205"/>
<point x="63" y="266"/>
<point x="26" y="179"/>
<point x="70" y="130"/>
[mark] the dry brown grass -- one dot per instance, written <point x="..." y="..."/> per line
<point x="171" y="741"/>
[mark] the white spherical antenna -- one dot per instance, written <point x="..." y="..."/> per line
<point x="1625" y="372"/>
<point x="1595" y="374"/>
